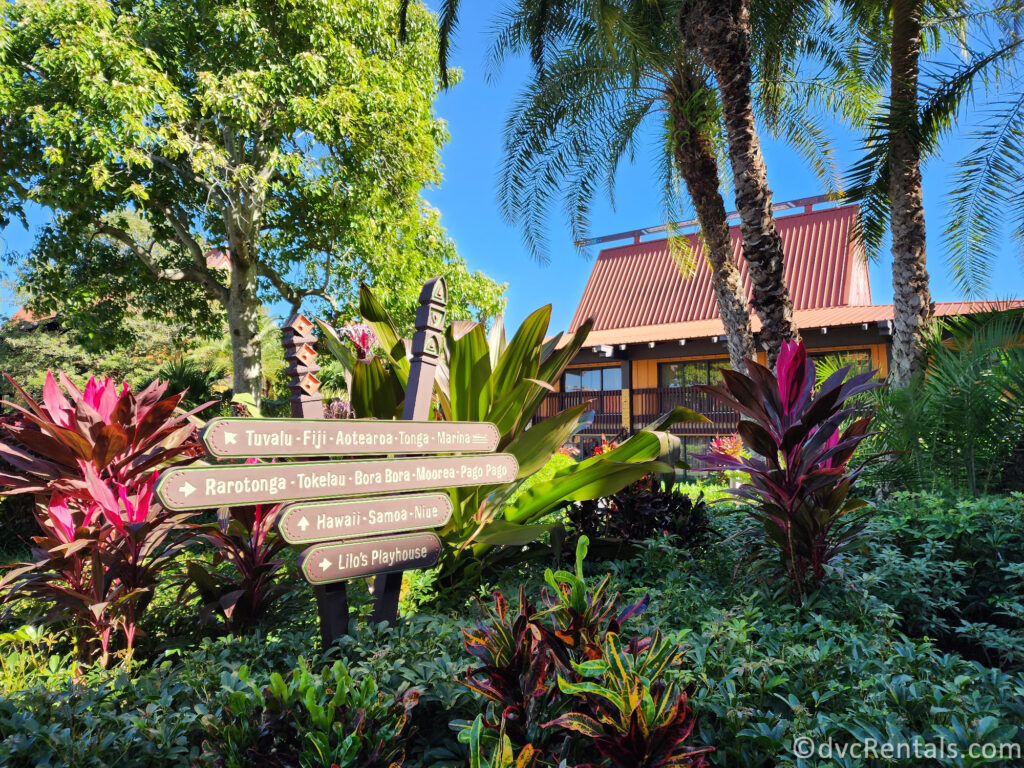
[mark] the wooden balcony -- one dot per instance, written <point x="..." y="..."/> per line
<point x="647" y="405"/>
<point x="606" y="405"/>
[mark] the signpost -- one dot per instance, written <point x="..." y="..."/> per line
<point x="335" y="437"/>
<point x="365" y="557"/>
<point x="204" y="487"/>
<point x="326" y="521"/>
<point x="339" y="506"/>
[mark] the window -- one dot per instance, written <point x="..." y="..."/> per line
<point x="593" y="379"/>
<point x="688" y="373"/>
<point x="859" y="361"/>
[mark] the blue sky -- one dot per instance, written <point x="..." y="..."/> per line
<point x="475" y="111"/>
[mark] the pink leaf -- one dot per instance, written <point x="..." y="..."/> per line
<point x="60" y="516"/>
<point x="791" y="367"/>
<point x="55" y="403"/>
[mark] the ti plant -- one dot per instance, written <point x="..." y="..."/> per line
<point x="122" y="435"/>
<point x="801" y="440"/>
<point x="484" y="377"/>
<point x="564" y="669"/>
<point x="245" y="539"/>
<point x="90" y="458"/>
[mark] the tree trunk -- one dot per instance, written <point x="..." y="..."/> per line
<point x="698" y="167"/>
<point x="243" y="310"/>
<point x="912" y="301"/>
<point x="720" y="30"/>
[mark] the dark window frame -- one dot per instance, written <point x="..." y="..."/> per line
<point x="602" y="368"/>
<point x="709" y="364"/>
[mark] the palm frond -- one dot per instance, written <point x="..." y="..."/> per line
<point x="987" y="181"/>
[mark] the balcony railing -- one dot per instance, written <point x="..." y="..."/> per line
<point x="606" y="405"/>
<point x="646" y="406"/>
<point x="649" y="404"/>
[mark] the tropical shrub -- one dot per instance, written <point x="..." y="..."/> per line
<point x="483" y="377"/>
<point x="956" y="427"/>
<point x="91" y="462"/>
<point x="122" y="435"/>
<point x="951" y="569"/>
<point x="311" y="719"/>
<point x="625" y="711"/>
<point x="565" y="669"/>
<point x="801" y="439"/>
<point x="643" y="510"/>
<point x="239" y="585"/>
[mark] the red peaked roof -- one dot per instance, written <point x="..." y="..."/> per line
<point x="640" y="284"/>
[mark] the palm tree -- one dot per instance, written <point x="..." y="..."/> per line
<point x="721" y="31"/>
<point x="887" y="180"/>
<point x="601" y="78"/>
<point x="583" y="110"/>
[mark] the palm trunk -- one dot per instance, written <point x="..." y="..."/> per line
<point x="912" y="301"/>
<point x="720" y="29"/>
<point x="243" y="310"/>
<point x="698" y="167"/>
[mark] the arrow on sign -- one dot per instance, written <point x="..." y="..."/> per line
<point x="230" y="438"/>
<point x="306" y="523"/>
<point x="325" y="564"/>
<point x="187" y="489"/>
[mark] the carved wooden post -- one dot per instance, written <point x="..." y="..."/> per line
<point x="427" y="346"/>
<point x="307" y="403"/>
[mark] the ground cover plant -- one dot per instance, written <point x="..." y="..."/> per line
<point x="759" y="667"/>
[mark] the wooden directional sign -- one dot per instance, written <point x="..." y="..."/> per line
<point x="327" y="563"/>
<point x="336" y="437"/>
<point x="309" y="522"/>
<point x="202" y="487"/>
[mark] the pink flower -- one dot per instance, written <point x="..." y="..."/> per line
<point x="726" y="445"/>
<point x="362" y="337"/>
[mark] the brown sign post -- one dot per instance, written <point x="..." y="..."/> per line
<point x="309" y="523"/>
<point x="338" y="508"/>
<point x="427" y="345"/>
<point x="204" y="487"/>
<point x="227" y="438"/>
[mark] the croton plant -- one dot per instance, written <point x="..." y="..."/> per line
<point x="90" y="457"/>
<point x="569" y="668"/>
<point x="800" y="441"/>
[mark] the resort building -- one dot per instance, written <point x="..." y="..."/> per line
<point x="657" y="330"/>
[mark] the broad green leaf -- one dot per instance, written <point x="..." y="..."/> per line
<point x="377" y="317"/>
<point x="534" y="447"/>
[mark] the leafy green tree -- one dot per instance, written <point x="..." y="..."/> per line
<point x="29" y="349"/>
<point x="292" y="137"/>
